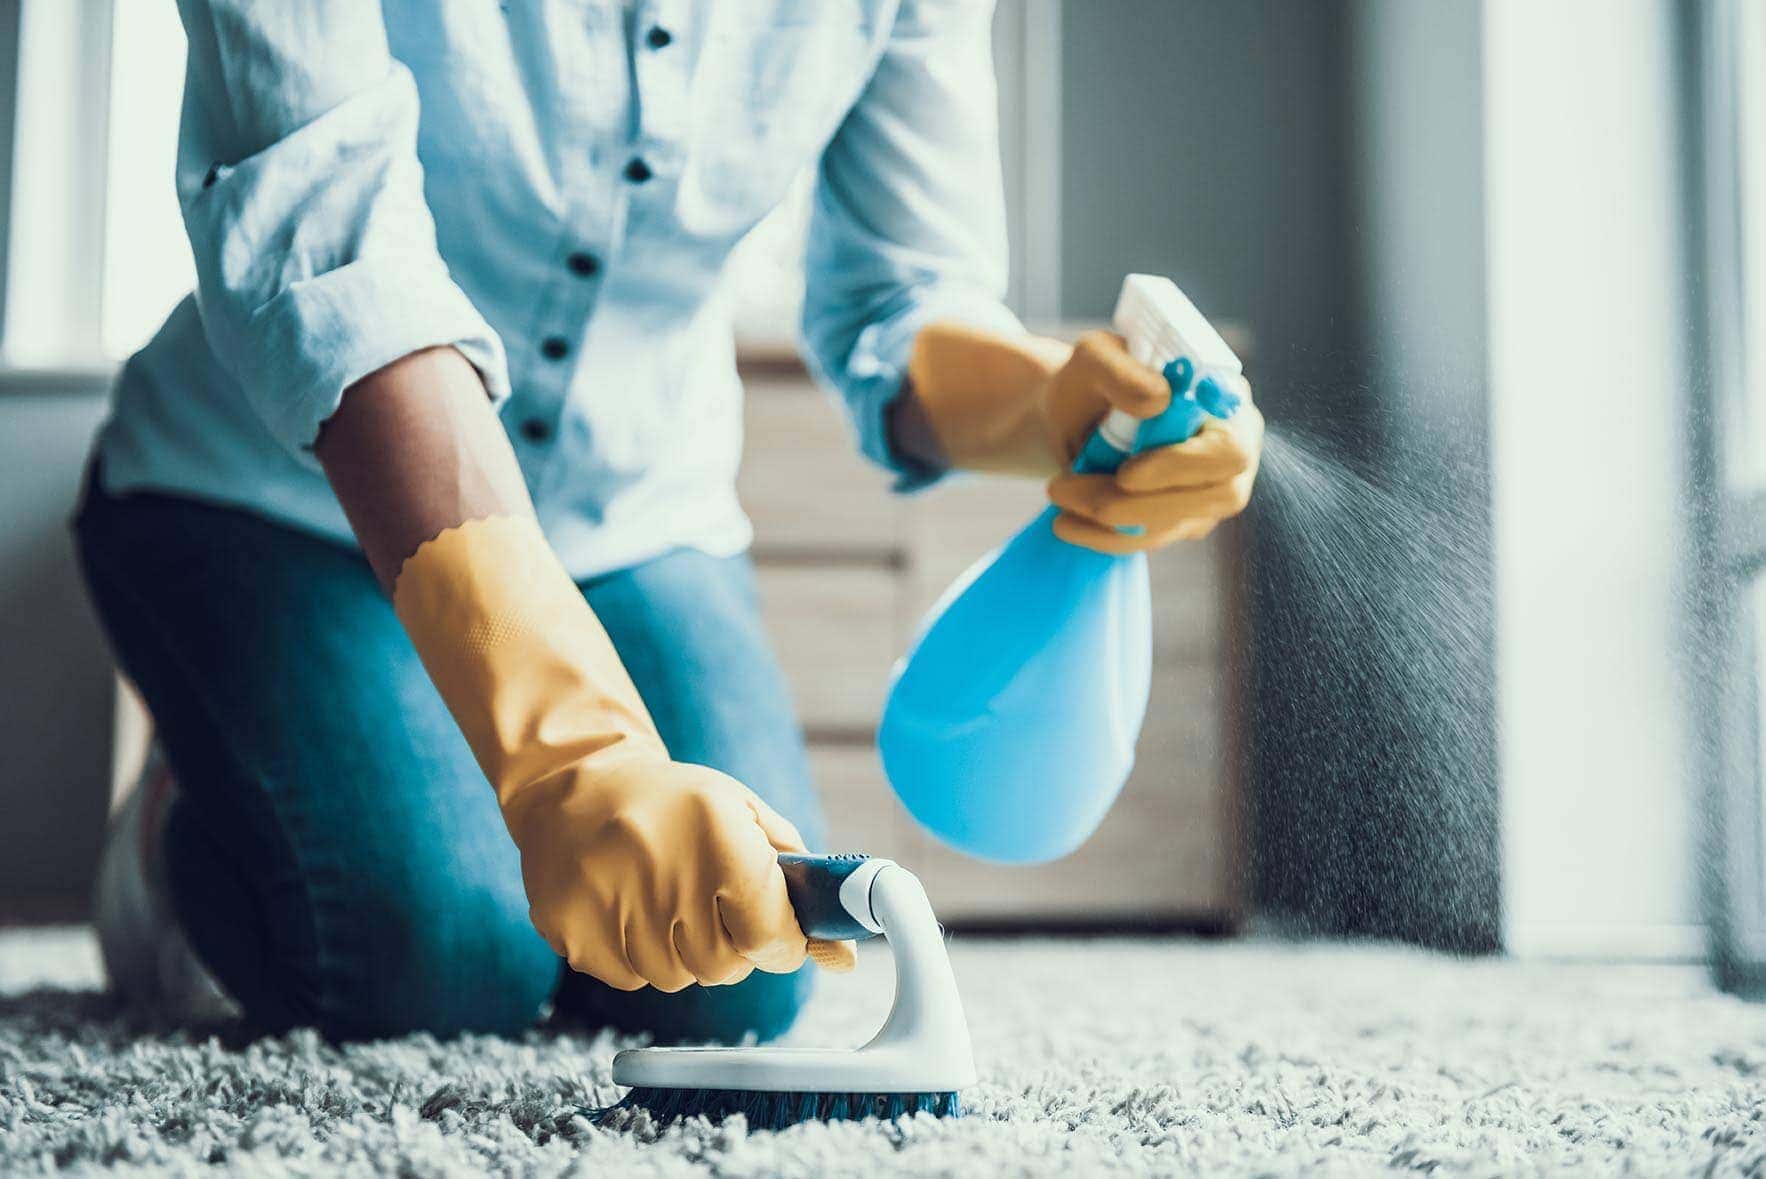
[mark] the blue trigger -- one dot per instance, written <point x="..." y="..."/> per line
<point x="1189" y="408"/>
<point x="1178" y="374"/>
<point x="1216" y="399"/>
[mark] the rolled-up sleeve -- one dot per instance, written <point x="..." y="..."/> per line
<point x="302" y="194"/>
<point x="908" y="224"/>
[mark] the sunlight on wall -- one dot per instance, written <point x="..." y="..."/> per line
<point x="1586" y="395"/>
<point x="1751" y="462"/>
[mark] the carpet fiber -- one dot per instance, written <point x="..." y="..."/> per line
<point x="1149" y="1056"/>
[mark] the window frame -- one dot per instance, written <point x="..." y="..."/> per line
<point x="55" y="210"/>
<point x="1727" y="521"/>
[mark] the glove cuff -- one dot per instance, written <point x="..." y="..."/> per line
<point x="981" y="395"/>
<point x="518" y="656"/>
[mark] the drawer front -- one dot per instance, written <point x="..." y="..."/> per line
<point x="954" y="524"/>
<point x="1188" y="599"/>
<point x="863" y="815"/>
<point x="803" y="482"/>
<point x="835" y="628"/>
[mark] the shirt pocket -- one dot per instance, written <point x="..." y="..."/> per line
<point x="766" y="100"/>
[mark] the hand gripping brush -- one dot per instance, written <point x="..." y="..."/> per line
<point x="916" y="1063"/>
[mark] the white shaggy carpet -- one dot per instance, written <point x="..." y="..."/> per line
<point x="1096" y="1056"/>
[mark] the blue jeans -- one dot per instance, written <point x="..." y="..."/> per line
<point x="335" y="855"/>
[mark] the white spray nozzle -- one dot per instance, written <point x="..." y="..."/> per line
<point x="1161" y="324"/>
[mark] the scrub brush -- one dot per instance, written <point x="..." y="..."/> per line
<point x="916" y="1063"/>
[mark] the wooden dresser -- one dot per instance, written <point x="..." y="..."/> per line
<point x="846" y="571"/>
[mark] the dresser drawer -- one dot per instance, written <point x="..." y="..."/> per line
<point x="803" y="482"/>
<point x="836" y="630"/>
<point x="1189" y="606"/>
<point x="863" y="815"/>
<point x="955" y="523"/>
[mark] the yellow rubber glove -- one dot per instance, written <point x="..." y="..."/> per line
<point x="1025" y="405"/>
<point x="640" y="870"/>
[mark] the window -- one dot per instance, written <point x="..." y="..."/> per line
<point x="97" y="252"/>
<point x="147" y="266"/>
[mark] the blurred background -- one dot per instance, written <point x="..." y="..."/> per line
<point x="1478" y="670"/>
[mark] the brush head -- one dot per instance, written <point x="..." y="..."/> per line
<point x="775" y="1110"/>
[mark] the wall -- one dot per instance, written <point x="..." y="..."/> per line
<point x="1587" y="363"/>
<point x="54" y="672"/>
<point x="1314" y="171"/>
<point x="1515" y="237"/>
<point x="1203" y="141"/>
<point x="1027" y="68"/>
<point x="1415" y="852"/>
<point x="55" y="678"/>
<point x="1514" y="229"/>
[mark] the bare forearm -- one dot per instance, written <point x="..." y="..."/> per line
<point x="416" y="449"/>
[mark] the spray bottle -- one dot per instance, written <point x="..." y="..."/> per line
<point x="1011" y="722"/>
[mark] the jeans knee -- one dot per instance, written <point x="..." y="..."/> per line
<point x="770" y="1009"/>
<point x="452" y="959"/>
<point x="761" y="1007"/>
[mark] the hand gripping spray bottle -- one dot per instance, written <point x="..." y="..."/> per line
<point x="1012" y="720"/>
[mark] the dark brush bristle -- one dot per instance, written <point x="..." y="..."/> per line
<point x="775" y="1111"/>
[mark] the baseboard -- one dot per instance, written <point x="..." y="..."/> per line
<point x="1636" y="942"/>
<point x="45" y="910"/>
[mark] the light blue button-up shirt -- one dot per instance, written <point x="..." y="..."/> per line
<point x="553" y="187"/>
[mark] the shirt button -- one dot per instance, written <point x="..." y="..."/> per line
<point x="536" y="430"/>
<point x="638" y="171"/>
<point x="554" y="347"/>
<point x="583" y="265"/>
<point x="658" y="37"/>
